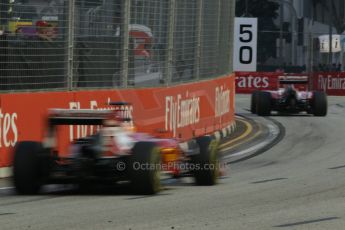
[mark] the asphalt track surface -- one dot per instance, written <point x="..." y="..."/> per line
<point x="297" y="184"/>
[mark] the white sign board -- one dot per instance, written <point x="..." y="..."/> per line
<point x="245" y="44"/>
<point x="324" y="43"/>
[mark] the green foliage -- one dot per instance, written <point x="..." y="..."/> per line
<point x="266" y="11"/>
<point x="336" y="8"/>
<point x="257" y="8"/>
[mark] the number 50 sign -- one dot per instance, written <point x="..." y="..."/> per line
<point x="245" y="44"/>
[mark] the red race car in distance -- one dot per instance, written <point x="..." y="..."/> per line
<point x="292" y="97"/>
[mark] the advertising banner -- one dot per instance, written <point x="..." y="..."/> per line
<point x="182" y="111"/>
<point x="247" y="82"/>
<point x="332" y="83"/>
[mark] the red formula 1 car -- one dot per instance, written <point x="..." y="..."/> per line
<point x="291" y="97"/>
<point x="113" y="152"/>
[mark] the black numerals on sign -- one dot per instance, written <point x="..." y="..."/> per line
<point x="246" y="37"/>
<point x="245" y="29"/>
<point x="249" y="50"/>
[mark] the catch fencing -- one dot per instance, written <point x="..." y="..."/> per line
<point x="94" y="44"/>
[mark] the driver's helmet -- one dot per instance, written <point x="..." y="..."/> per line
<point x="289" y="88"/>
<point x="111" y="123"/>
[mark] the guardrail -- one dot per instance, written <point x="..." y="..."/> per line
<point x="184" y="111"/>
<point x="333" y="83"/>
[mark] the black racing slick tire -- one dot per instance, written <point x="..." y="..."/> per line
<point x="206" y="163"/>
<point x="145" y="170"/>
<point x="30" y="167"/>
<point x="320" y="104"/>
<point x="263" y="104"/>
<point x="253" y="102"/>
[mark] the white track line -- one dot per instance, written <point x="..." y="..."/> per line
<point x="273" y="133"/>
<point x="5" y="172"/>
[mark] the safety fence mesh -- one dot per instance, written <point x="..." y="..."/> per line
<point x="72" y="44"/>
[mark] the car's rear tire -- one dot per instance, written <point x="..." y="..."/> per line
<point x="145" y="171"/>
<point x="30" y="167"/>
<point x="253" y="102"/>
<point x="263" y="107"/>
<point x="320" y="104"/>
<point x="206" y="163"/>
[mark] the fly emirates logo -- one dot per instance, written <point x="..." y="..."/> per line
<point x="252" y="82"/>
<point x="8" y="129"/>
<point x="222" y="103"/>
<point x="331" y="82"/>
<point x="80" y="131"/>
<point x="181" y="112"/>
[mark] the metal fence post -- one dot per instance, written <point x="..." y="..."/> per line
<point x="199" y="39"/>
<point x="219" y="20"/>
<point x="70" y="52"/>
<point x="171" y="30"/>
<point x="310" y="53"/>
<point x="311" y="61"/>
<point x="126" y="38"/>
<point x="231" y="36"/>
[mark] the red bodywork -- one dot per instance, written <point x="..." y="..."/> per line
<point x="117" y="134"/>
<point x="299" y="85"/>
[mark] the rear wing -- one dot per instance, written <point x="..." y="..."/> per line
<point x="78" y="117"/>
<point x="293" y="80"/>
<point x="119" y="105"/>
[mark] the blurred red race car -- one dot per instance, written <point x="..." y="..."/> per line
<point x="292" y="96"/>
<point x="114" y="152"/>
